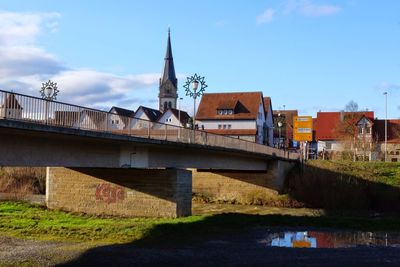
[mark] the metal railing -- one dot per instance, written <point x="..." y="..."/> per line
<point x="14" y="106"/>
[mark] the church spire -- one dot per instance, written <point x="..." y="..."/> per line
<point x="168" y="83"/>
<point x="169" y="69"/>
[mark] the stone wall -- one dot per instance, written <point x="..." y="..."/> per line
<point x="121" y="192"/>
<point x="244" y="187"/>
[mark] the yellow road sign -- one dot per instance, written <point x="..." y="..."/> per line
<point x="302" y="128"/>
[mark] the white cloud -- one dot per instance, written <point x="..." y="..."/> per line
<point x="23" y="28"/>
<point x="309" y="8"/>
<point x="24" y="66"/>
<point x="266" y="16"/>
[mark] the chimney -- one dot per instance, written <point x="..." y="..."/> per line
<point x="341" y="115"/>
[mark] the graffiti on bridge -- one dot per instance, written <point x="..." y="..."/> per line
<point x="109" y="194"/>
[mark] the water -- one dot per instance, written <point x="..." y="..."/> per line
<point x="328" y="239"/>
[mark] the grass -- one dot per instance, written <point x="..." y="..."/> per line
<point x="375" y="171"/>
<point x="23" y="180"/>
<point x="34" y="222"/>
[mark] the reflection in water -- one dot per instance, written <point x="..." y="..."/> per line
<point x="313" y="239"/>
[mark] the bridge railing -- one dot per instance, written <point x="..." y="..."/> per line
<point x="14" y="106"/>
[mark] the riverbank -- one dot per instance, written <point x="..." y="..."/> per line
<point x="34" y="236"/>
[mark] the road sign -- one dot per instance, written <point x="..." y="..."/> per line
<point x="302" y="128"/>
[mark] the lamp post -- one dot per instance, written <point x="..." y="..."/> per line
<point x="195" y="91"/>
<point x="385" y="93"/>
<point x="280" y="129"/>
<point x="48" y="92"/>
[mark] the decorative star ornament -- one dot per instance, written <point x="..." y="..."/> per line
<point x="190" y="92"/>
<point x="49" y="90"/>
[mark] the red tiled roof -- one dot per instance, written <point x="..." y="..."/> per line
<point x="232" y="131"/>
<point x="245" y="105"/>
<point x="326" y="123"/>
<point x="393" y="131"/>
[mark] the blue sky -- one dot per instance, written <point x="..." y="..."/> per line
<point x="308" y="55"/>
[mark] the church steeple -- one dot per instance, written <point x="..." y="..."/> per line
<point x="168" y="83"/>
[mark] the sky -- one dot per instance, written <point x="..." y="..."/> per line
<point x="310" y="55"/>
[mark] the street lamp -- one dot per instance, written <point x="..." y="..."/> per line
<point x="280" y="124"/>
<point x="49" y="90"/>
<point x="195" y="92"/>
<point x="385" y="93"/>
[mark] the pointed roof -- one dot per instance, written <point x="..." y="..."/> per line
<point x="11" y="102"/>
<point x="122" y="112"/>
<point x="184" y="116"/>
<point x="169" y="69"/>
<point x="152" y="114"/>
<point x="246" y="105"/>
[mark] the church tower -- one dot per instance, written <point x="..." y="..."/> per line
<point x="168" y="83"/>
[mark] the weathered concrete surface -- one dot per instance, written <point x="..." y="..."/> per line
<point x="67" y="148"/>
<point x="121" y="192"/>
<point x="245" y="187"/>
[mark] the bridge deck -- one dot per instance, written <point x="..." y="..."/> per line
<point x="30" y="113"/>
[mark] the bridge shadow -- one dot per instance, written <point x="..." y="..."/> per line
<point x="329" y="189"/>
<point x="305" y="185"/>
<point x="232" y="240"/>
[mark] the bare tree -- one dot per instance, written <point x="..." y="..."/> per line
<point x="351" y="106"/>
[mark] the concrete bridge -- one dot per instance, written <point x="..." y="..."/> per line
<point x="142" y="169"/>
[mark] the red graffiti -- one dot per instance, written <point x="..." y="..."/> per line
<point x="109" y="193"/>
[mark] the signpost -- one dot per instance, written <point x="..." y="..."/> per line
<point x="302" y="131"/>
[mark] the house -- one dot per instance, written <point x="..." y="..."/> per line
<point x="93" y="120"/>
<point x="338" y="132"/>
<point x="283" y="128"/>
<point x="269" y="122"/>
<point x="239" y="115"/>
<point x="145" y="117"/>
<point x="11" y="108"/>
<point x="393" y="139"/>
<point x="174" y="117"/>
<point x="119" y="118"/>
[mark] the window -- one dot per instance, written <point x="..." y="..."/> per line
<point x="368" y="130"/>
<point x="224" y="126"/>
<point x="230" y="112"/>
<point x="112" y="121"/>
<point x="225" y="112"/>
<point x="220" y="111"/>
<point x="116" y="121"/>
<point x="229" y="126"/>
<point x="360" y="130"/>
<point x="219" y="126"/>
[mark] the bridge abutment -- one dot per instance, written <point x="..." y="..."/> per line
<point x="244" y="187"/>
<point x="121" y="192"/>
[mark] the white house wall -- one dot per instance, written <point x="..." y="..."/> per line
<point x="115" y="122"/>
<point x="235" y="124"/>
<point x="170" y="119"/>
<point x="141" y="120"/>
<point x="269" y="121"/>
<point x="260" y="123"/>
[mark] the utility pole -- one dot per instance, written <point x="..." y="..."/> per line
<point x="385" y="93"/>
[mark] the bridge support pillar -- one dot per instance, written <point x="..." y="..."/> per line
<point x="121" y="192"/>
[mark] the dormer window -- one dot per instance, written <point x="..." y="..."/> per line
<point x="225" y="111"/>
